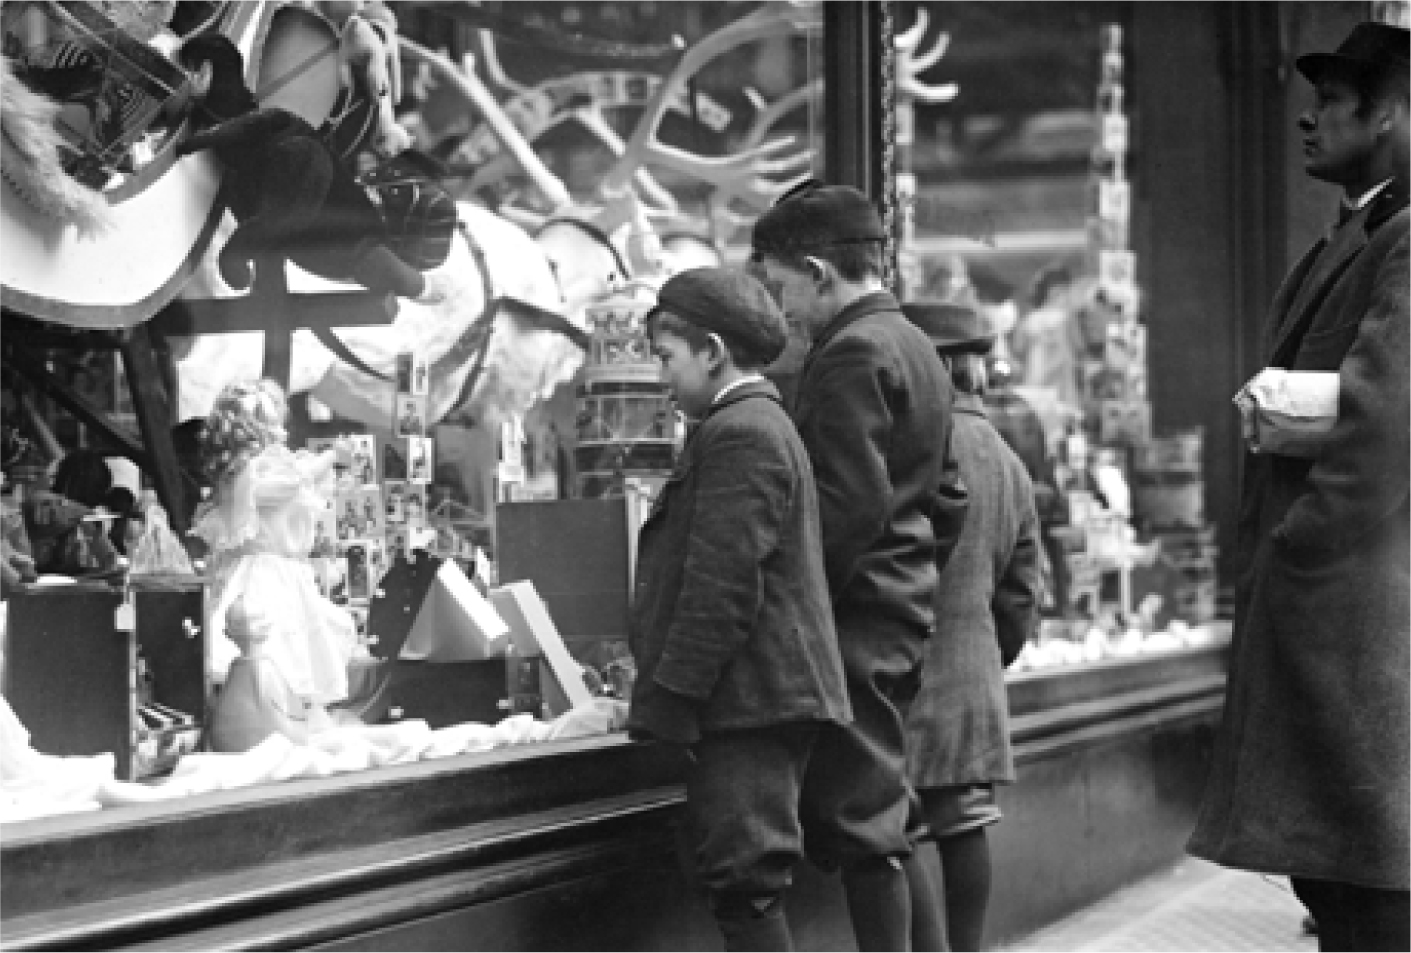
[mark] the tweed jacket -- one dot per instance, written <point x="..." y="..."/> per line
<point x="987" y="607"/>
<point x="730" y="622"/>
<point x="1311" y="769"/>
<point x="873" y="407"/>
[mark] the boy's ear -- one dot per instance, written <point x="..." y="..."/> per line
<point x="719" y="353"/>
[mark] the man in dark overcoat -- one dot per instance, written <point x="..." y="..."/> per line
<point x="1311" y="768"/>
<point x="873" y="409"/>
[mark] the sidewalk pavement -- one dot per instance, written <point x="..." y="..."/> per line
<point x="1194" y="906"/>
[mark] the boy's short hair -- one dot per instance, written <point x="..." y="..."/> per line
<point x="856" y="262"/>
<point x="728" y="303"/>
<point x="698" y="338"/>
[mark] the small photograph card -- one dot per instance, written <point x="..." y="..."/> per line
<point x="377" y="564"/>
<point x="370" y="512"/>
<point x="411" y="416"/>
<point x="357" y="571"/>
<point x="420" y="463"/>
<point x="1114" y="201"/>
<point x="349" y="516"/>
<point x="325" y="530"/>
<point x="1117" y="269"/>
<point x="397" y="544"/>
<point x="394" y="462"/>
<point x="395" y="492"/>
<point x="1114" y="132"/>
<point x="364" y="462"/>
<point x="414" y="504"/>
<point x="337" y="570"/>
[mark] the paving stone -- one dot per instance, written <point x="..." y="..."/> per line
<point x="1195" y="906"/>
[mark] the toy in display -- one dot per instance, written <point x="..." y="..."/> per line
<point x="626" y="420"/>
<point x="121" y="104"/>
<point x="259" y="525"/>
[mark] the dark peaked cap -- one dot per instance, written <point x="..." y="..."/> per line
<point x="1370" y="47"/>
<point x="814" y="215"/>
<point x="952" y="328"/>
<point x="730" y="303"/>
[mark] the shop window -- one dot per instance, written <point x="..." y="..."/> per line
<point x="587" y="146"/>
<point x="1016" y="142"/>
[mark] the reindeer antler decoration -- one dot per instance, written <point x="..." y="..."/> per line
<point x="911" y="63"/>
<point x="469" y="85"/>
<point x="741" y="176"/>
<point x="724" y="220"/>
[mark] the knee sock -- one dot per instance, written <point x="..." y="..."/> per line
<point x="929" y="904"/>
<point x="879" y="904"/>
<point x="752" y="922"/>
<point x="965" y="860"/>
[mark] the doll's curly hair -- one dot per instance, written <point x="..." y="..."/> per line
<point x="247" y="417"/>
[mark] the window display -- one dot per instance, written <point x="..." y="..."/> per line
<point x="520" y="179"/>
<point x="1015" y="161"/>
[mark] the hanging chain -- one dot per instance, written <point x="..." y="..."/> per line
<point x="888" y="185"/>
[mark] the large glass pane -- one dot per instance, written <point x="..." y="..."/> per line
<point x="590" y="150"/>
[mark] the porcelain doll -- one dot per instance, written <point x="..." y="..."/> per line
<point x="259" y="524"/>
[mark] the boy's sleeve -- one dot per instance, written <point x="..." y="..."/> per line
<point x="1015" y="604"/>
<point x="744" y="487"/>
<point x="847" y="432"/>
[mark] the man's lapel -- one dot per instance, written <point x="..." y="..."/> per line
<point x="1314" y="276"/>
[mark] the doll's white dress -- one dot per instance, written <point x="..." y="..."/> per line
<point x="260" y="528"/>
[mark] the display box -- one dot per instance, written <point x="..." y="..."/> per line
<point x="578" y="554"/>
<point x="87" y="673"/>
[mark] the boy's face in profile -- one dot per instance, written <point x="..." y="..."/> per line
<point x="686" y="371"/>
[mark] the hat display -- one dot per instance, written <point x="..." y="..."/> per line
<point x="814" y="215"/>
<point x="952" y="328"/>
<point x="1369" y="47"/>
<point x="728" y="302"/>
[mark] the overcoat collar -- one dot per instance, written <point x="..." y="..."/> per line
<point x="764" y="388"/>
<point x="969" y="404"/>
<point x="1306" y="286"/>
<point x="870" y="303"/>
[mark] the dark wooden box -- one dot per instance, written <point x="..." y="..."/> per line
<point x="578" y="554"/>
<point x="71" y="674"/>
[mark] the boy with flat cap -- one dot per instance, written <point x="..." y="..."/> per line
<point x="873" y="406"/>
<point x="730" y="625"/>
<point x="1311" y="776"/>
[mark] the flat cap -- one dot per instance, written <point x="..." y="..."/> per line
<point x="814" y="215"/>
<point x="952" y="328"/>
<point x="730" y="303"/>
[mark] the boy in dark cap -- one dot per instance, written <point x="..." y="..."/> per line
<point x="987" y="606"/>
<point x="730" y="625"/>
<point x="873" y="408"/>
<point x="1311" y="775"/>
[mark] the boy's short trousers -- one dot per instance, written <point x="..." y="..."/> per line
<point x="956" y="809"/>
<point x="857" y="802"/>
<point x="742" y="799"/>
